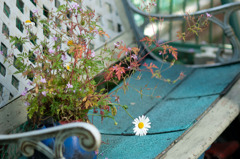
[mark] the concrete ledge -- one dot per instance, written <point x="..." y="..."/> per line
<point x="12" y="115"/>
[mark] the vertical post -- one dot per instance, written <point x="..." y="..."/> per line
<point x="184" y="10"/>
<point x="170" y="23"/>
<point x="198" y="5"/>
<point x="211" y="25"/>
<point x="198" y="8"/>
<point x="158" y="23"/>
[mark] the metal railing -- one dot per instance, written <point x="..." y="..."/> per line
<point x="28" y="142"/>
<point x="226" y="12"/>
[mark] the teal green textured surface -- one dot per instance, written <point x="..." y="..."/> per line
<point x="206" y="81"/>
<point x="171" y="115"/>
<point x="135" y="147"/>
<point x="137" y="105"/>
<point x="177" y="114"/>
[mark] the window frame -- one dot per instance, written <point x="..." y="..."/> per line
<point x="19" y="47"/>
<point x="33" y="1"/>
<point x="110" y="25"/>
<point x="119" y="27"/>
<point x="57" y="3"/>
<point x="6" y="9"/>
<point x="45" y="11"/>
<point x="1" y="89"/>
<point x="20" y="5"/>
<point x="33" y="38"/>
<point x="44" y="49"/>
<point x="2" y="69"/>
<point x="91" y="46"/>
<point x="33" y="18"/>
<point x="69" y="15"/>
<point x="58" y="23"/>
<point x="11" y="96"/>
<point x="19" y="24"/>
<point x="100" y="19"/>
<point x="17" y="63"/>
<point x="100" y="3"/>
<point x="14" y="79"/>
<point x="59" y="41"/>
<point x="5" y="51"/>
<point x="68" y="32"/>
<point x="30" y="75"/>
<point x="102" y="38"/>
<point x="46" y="31"/>
<point x="5" y="29"/>
<point x="109" y="7"/>
<point x="32" y="57"/>
<point x="89" y="8"/>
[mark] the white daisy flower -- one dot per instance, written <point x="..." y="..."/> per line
<point x="142" y="124"/>
<point x="67" y="65"/>
<point x="29" y="23"/>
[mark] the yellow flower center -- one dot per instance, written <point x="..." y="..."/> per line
<point x="68" y="67"/>
<point x="70" y="42"/>
<point x="28" y="21"/>
<point x="140" y="125"/>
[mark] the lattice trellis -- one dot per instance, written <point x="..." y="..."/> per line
<point x="12" y="85"/>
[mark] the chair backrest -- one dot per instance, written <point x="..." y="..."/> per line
<point x="170" y="19"/>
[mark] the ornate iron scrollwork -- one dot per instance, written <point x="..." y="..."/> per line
<point x="226" y="9"/>
<point x="89" y="138"/>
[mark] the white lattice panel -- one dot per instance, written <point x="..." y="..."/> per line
<point x="110" y="22"/>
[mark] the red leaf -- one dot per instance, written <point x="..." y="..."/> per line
<point x="124" y="49"/>
<point x="150" y="66"/>
<point x="175" y="54"/>
<point x="119" y="72"/>
<point x="147" y="40"/>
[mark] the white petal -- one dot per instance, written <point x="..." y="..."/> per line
<point x="137" y="133"/>
<point x="147" y="119"/>
<point x="144" y="131"/>
<point x="136" y="121"/>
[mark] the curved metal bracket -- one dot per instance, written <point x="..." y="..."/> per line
<point x="228" y="31"/>
<point x="227" y="9"/>
<point x="89" y="136"/>
<point x="27" y="148"/>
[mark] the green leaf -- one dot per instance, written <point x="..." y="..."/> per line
<point x="61" y="8"/>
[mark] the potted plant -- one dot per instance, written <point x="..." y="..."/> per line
<point x="64" y="69"/>
<point x="65" y="73"/>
